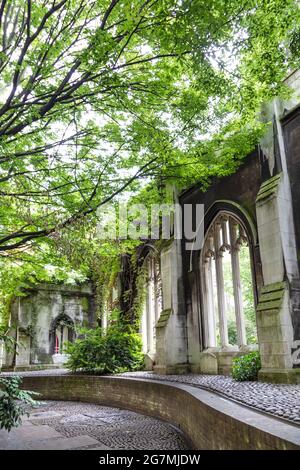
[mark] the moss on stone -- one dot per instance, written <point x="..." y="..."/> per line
<point x="279" y="376"/>
<point x="268" y="188"/>
<point x="271" y="297"/>
<point x="164" y="317"/>
<point x="84" y="303"/>
<point x="273" y="287"/>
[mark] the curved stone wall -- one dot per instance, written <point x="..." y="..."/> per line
<point x="207" y="420"/>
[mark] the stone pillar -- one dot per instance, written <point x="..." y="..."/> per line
<point x="276" y="242"/>
<point x="2" y="358"/>
<point x="23" y="351"/>
<point x="236" y="280"/>
<point x="150" y="316"/>
<point x="220" y="289"/>
<point x="210" y="327"/>
<point x="171" y="330"/>
<point x="143" y="329"/>
<point x="157" y="293"/>
<point x="149" y="319"/>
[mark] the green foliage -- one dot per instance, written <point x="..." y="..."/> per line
<point x="232" y="331"/>
<point x="295" y="43"/>
<point x="247" y="296"/>
<point x="14" y="402"/>
<point x="97" y="96"/>
<point x="246" y="367"/>
<point x="134" y="295"/>
<point x="8" y="341"/>
<point x="103" y="272"/>
<point x="140" y="295"/>
<point x="105" y="351"/>
<point x="25" y="269"/>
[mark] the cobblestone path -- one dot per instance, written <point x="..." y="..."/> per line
<point x="282" y="401"/>
<point x="58" y="425"/>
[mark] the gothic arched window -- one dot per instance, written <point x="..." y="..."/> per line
<point x="152" y="306"/>
<point x="62" y="331"/>
<point x="226" y="270"/>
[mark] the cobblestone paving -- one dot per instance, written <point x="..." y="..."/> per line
<point x="72" y="425"/>
<point x="34" y="373"/>
<point x="283" y="401"/>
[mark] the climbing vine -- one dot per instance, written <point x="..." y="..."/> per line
<point x="104" y="272"/>
<point x="184" y="110"/>
<point x="135" y="281"/>
<point x="140" y="292"/>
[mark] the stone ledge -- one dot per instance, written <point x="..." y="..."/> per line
<point x="173" y="369"/>
<point x="208" y="421"/>
<point x="271" y="297"/>
<point x="279" y="376"/>
<point x="29" y="367"/>
<point x="268" y="189"/>
<point x="78" y="289"/>
<point x="163" y="318"/>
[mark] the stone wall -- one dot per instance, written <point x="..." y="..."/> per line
<point x="235" y="193"/>
<point x="208" y="421"/>
<point x="264" y="193"/>
<point x="33" y="319"/>
<point x="278" y="204"/>
<point x="171" y="334"/>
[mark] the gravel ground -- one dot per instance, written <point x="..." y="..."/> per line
<point x="282" y="401"/>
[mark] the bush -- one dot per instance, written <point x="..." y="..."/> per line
<point x="108" y="351"/>
<point x="246" y="367"/>
<point x="8" y="341"/>
<point x="13" y="402"/>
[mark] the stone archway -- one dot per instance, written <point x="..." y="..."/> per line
<point x="62" y="330"/>
<point x="227" y="283"/>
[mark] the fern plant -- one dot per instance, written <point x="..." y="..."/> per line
<point x="14" y="402"/>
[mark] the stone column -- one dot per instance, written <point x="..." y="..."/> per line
<point x="150" y="315"/>
<point x="274" y="323"/>
<point x="157" y="292"/>
<point x="23" y="351"/>
<point x="220" y="289"/>
<point x="210" y="327"/>
<point x="2" y="361"/>
<point x="237" y="290"/>
<point x="104" y="319"/>
<point x="144" y="329"/>
<point x="171" y="331"/>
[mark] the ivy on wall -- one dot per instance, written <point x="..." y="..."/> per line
<point x="104" y="273"/>
<point x="135" y="278"/>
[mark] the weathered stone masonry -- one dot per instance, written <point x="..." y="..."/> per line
<point x="42" y="314"/>
<point x="264" y="196"/>
<point x="185" y="326"/>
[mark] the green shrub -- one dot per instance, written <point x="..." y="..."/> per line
<point x="14" y="402"/>
<point x="8" y="341"/>
<point x="246" y="367"/>
<point x="105" y="351"/>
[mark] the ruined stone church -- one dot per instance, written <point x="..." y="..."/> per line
<point x="240" y="292"/>
<point x="251" y="225"/>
